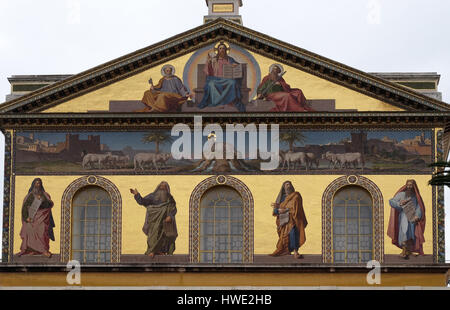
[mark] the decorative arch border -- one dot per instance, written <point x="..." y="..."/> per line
<point x="66" y="218"/>
<point x="378" y="215"/>
<point x="194" y="215"/>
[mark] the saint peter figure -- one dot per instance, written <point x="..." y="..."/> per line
<point x="407" y="220"/>
<point x="166" y="96"/>
<point x="159" y="226"/>
<point x="291" y="221"/>
<point x="37" y="221"/>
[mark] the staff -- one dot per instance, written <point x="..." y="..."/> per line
<point x="263" y="94"/>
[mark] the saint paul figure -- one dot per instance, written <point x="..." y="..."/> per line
<point x="286" y="99"/>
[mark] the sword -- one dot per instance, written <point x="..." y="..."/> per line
<point x="272" y="83"/>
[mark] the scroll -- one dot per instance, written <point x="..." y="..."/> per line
<point x="34" y="208"/>
<point x="410" y="210"/>
<point x="230" y="72"/>
<point x="284" y="218"/>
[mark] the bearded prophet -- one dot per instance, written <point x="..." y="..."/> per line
<point x="37" y="221"/>
<point x="291" y="234"/>
<point x="160" y="226"/>
<point x="407" y="233"/>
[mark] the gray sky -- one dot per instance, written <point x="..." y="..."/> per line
<point x="70" y="36"/>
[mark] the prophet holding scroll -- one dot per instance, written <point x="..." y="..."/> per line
<point x="291" y="221"/>
<point x="37" y="221"/>
<point x="406" y="227"/>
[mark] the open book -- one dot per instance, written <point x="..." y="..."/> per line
<point x="230" y="72"/>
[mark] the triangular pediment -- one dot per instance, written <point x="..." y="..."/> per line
<point x="328" y="86"/>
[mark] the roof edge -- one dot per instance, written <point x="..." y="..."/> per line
<point x="220" y="28"/>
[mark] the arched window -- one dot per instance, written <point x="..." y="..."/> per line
<point x="91" y="225"/>
<point x="221" y="226"/>
<point x="352" y="225"/>
<point x="352" y="221"/>
<point x="91" y="221"/>
<point x="221" y="222"/>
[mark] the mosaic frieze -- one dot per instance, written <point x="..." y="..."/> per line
<point x="152" y="152"/>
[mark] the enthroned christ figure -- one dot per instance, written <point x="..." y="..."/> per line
<point x="220" y="90"/>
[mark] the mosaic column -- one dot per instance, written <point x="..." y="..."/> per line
<point x="440" y="206"/>
<point x="7" y="201"/>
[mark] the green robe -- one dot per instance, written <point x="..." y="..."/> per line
<point x="268" y="87"/>
<point x="161" y="236"/>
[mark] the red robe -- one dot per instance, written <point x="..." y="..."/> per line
<point x="35" y="235"/>
<point x="290" y="100"/>
<point x="420" y="226"/>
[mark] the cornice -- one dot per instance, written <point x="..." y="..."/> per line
<point x="107" y="121"/>
<point x="199" y="37"/>
<point x="248" y="268"/>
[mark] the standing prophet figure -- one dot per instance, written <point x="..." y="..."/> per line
<point x="160" y="226"/>
<point x="37" y="221"/>
<point x="291" y="230"/>
<point x="406" y="229"/>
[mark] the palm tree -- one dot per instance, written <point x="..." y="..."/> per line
<point x="158" y="138"/>
<point x="292" y="137"/>
<point x="442" y="176"/>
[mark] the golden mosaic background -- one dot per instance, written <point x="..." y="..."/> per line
<point x="264" y="190"/>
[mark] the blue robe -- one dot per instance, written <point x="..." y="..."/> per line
<point x="406" y="229"/>
<point x="173" y="85"/>
<point x="221" y="91"/>
<point x="294" y="236"/>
